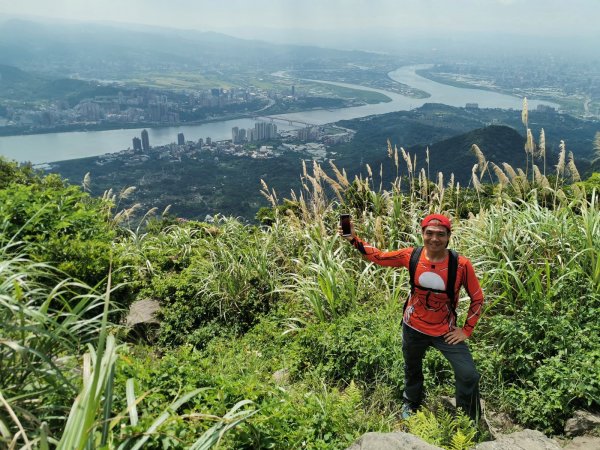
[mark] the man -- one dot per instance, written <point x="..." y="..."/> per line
<point x="430" y="312"/>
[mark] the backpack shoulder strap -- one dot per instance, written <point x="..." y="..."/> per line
<point x="452" y="269"/>
<point x="412" y="266"/>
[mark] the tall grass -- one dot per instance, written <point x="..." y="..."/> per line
<point x="534" y="242"/>
<point x="43" y="331"/>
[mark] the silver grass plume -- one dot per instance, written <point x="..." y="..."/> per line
<point x="337" y="188"/>
<point x="406" y="158"/>
<point x="573" y="169"/>
<point x="502" y="178"/>
<point x="524" y="112"/>
<point x="560" y="167"/>
<point x="512" y="175"/>
<point x="87" y="182"/>
<point x="151" y="211"/>
<point x="396" y="157"/>
<point x="542" y="146"/>
<point x="166" y="211"/>
<point x="479" y="154"/>
<point x="369" y="171"/>
<point x="389" y="148"/>
<point x="270" y="196"/>
<point x="317" y="170"/>
<point x="529" y="144"/>
<point x="540" y="179"/>
<point x="423" y="183"/>
<point x="126" y="192"/>
<point x="341" y="178"/>
<point x="475" y="179"/>
<point x="596" y="147"/>
<point x="523" y="179"/>
<point x="451" y="182"/>
<point x="107" y="194"/>
<point x="578" y="192"/>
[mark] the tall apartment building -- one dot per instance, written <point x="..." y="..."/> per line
<point x="145" y="140"/>
<point x="137" y="144"/>
<point x="180" y="139"/>
<point x="265" y="130"/>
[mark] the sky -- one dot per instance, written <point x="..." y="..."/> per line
<point x="333" y="21"/>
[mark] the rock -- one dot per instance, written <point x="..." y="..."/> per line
<point x="499" y="424"/>
<point x="583" y="443"/>
<point x="142" y="311"/>
<point x="142" y="321"/>
<point x="281" y="376"/>
<point x="521" y="440"/>
<point x="448" y="402"/>
<point x="391" y="441"/>
<point x="581" y="422"/>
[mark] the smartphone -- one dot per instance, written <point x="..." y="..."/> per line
<point x="345" y="223"/>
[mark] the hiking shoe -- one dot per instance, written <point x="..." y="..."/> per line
<point x="407" y="411"/>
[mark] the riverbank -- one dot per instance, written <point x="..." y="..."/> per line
<point x="575" y="107"/>
<point x="42" y="147"/>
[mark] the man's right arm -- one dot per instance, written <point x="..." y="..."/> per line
<point x="396" y="258"/>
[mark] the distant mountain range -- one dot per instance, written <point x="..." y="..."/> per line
<point x="103" y="51"/>
<point x="16" y="84"/>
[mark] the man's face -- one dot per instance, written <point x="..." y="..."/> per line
<point x="435" y="238"/>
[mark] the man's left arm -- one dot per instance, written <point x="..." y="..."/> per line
<point x="471" y="284"/>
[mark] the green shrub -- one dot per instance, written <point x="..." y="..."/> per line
<point x="61" y="225"/>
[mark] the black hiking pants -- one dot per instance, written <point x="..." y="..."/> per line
<point x="414" y="346"/>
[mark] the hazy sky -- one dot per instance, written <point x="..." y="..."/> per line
<point x="309" y="20"/>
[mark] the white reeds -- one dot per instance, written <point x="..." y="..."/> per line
<point x="502" y="178"/>
<point x="542" y="148"/>
<point x="87" y="182"/>
<point x="539" y="178"/>
<point x="126" y="192"/>
<point x="475" y="179"/>
<point x="479" y="154"/>
<point x="423" y="182"/>
<point x="510" y="171"/>
<point x="524" y="113"/>
<point x="270" y="195"/>
<point x="560" y="166"/>
<point x="596" y="147"/>
<point x="340" y="177"/>
<point x="575" y="177"/>
<point x="406" y="158"/>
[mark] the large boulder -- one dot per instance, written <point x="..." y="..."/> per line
<point x="583" y="443"/>
<point x="521" y="440"/>
<point x="582" y="422"/>
<point x="391" y="441"/>
<point x="142" y="321"/>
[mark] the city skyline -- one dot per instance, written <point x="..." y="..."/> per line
<point x="337" y="23"/>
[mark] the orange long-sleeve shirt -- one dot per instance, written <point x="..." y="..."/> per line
<point x="426" y="311"/>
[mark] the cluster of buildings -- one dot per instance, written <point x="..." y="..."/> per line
<point x="137" y="105"/>
<point x="178" y="151"/>
<point x="262" y="131"/>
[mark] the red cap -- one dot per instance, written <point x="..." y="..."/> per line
<point x="443" y="221"/>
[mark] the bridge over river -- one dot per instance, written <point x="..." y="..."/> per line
<point x="285" y="119"/>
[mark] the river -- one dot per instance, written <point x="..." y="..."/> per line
<point x="42" y="148"/>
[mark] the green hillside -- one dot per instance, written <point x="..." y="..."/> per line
<point x="281" y="336"/>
